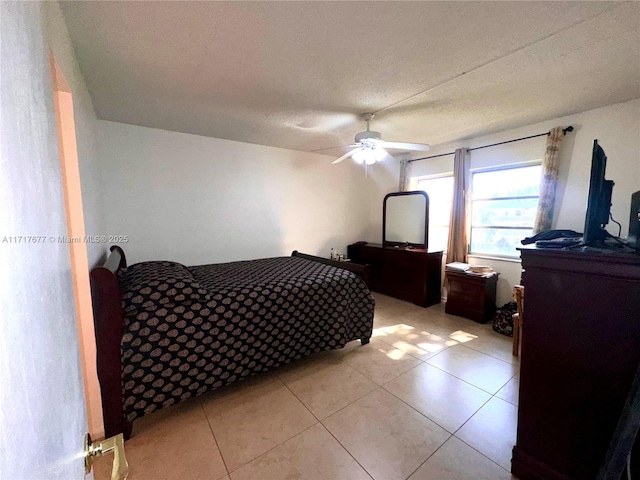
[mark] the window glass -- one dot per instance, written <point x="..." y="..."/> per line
<point x="511" y="182"/>
<point x="440" y="192"/>
<point x="503" y="209"/>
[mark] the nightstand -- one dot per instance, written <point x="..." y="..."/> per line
<point x="471" y="296"/>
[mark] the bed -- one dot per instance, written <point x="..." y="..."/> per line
<point x="166" y="332"/>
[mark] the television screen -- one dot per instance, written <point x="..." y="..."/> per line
<point x="599" y="199"/>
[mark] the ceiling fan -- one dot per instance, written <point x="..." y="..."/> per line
<point x="370" y="148"/>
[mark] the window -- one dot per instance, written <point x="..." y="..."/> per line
<point x="503" y="209"/>
<point x="440" y="191"/>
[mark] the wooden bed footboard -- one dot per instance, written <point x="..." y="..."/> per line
<point x="108" y="320"/>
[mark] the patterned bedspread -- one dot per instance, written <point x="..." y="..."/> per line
<point x="189" y="330"/>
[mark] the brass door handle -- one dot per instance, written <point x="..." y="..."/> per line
<point x="114" y="444"/>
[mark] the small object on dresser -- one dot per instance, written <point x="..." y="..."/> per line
<point x="333" y="254"/>
<point x="480" y="269"/>
<point x="457" y="267"/>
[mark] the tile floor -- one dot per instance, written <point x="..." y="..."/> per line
<point x="433" y="396"/>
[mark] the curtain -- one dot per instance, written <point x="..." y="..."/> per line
<point x="549" y="181"/>
<point x="405" y="175"/>
<point x="457" y="250"/>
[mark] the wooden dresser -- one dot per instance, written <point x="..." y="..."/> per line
<point x="580" y="352"/>
<point x="414" y="275"/>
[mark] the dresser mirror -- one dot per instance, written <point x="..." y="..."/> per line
<point x="405" y="220"/>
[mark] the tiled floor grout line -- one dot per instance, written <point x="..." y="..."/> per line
<point x="427" y="459"/>
<point x="473" y="448"/>
<point x="341" y="408"/>
<point x="458" y="343"/>
<point x="273" y="448"/>
<point x="325" y="427"/>
<point x="391" y="393"/>
<point x="303" y="404"/>
<point x="499" y="398"/>
<point x="279" y="444"/>
<point x="465" y="381"/>
<point x="492" y="395"/>
<point x="498" y="391"/>
<point x="379" y="384"/>
<point x="428" y="358"/>
<point x="488" y="355"/>
<point x="346" y="449"/>
<point x="214" y="438"/>
<point x="396" y="348"/>
<point x="274" y="378"/>
<point x="461" y="379"/>
<point x="418" y="411"/>
<point x="430" y="419"/>
<point x="401" y="400"/>
<point x="474" y="414"/>
<point x="469" y="419"/>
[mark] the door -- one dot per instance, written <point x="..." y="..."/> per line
<point x="42" y="409"/>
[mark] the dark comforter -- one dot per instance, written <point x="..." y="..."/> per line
<point x="189" y="330"/>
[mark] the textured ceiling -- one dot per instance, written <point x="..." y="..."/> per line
<point x="298" y="74"/>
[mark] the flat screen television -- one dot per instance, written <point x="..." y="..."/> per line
<point x="599" y="200"/>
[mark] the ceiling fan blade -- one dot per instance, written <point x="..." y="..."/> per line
<point x="423" y="147"/>
<point x="353" y="145"/>
<point x="345" y="156"/>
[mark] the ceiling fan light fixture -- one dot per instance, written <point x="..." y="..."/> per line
<point x="379" y="153"/>
<point x="369" y="146"/>
<point x="369" y="155"/>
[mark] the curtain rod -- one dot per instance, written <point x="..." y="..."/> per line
<point x="564" y="132"/>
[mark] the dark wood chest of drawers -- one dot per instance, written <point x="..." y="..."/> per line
<point x="471" y="296"/>
<point x="580" y="352"/>
<point x="414" y="275"/>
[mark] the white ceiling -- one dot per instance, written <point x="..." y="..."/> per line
<point x="298" y="74"/>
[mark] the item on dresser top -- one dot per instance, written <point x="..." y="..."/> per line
<point x="484" y="275"/>
<point x="561" y="242"/>
<point x="481" y="269"/>
<point x="457" y="267"/>
<point x="550" y="235"/>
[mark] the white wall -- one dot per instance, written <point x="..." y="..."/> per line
<point x="42" y="411"/>
<point x="617" y="127"/>
<point x="59" y="44"/>
<point x="199" y="200"/>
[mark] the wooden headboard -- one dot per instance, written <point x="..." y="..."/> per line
<point x="108" y="320"/>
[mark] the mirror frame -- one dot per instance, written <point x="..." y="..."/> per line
<point x="386" y="243"/>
